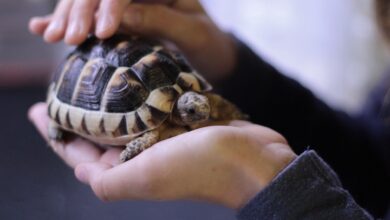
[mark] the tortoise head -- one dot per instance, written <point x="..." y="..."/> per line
<point x="192" y="108"/>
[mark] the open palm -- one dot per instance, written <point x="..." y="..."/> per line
<point x="222" y="164"/>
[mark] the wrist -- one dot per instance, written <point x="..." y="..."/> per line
<point x="256" y="170"/>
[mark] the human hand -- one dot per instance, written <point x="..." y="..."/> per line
<point x="184" y="22"/>
<point x="72" y="20"/>
<point x="224" y="164"/>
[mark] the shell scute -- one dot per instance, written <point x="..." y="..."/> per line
<point x="92" y="83"/>
<point x="128" y="53"/>
<point x="125" y="92"/>
<point x="155" y="71"/>
<point x="68" y="79"/>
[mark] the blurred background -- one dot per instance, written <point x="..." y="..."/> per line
<point x="331" y="46"/>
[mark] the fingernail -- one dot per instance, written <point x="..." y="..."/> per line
<point x="103" y="23"/>
<point x="54" y="26"/>
<point x="51" y="30"/>
<point x="73" y="30"/>
<point x="132" y="18"/>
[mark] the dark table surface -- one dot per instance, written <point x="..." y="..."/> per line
<point x="35" y="184"/>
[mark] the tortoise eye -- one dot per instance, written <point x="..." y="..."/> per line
<point x="191" y="111"/>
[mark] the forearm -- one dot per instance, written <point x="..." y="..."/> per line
<point x="278" y="102"/>
<point x="306" y="189"/>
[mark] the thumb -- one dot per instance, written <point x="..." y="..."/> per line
<point x="94" y="174"/>
<point x="156" y="20"/>
<point x="130" y="180"/>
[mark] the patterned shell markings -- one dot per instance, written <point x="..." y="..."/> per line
<point x="119" y="87"/>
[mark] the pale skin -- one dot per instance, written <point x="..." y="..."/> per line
<point x="226" y="164"/>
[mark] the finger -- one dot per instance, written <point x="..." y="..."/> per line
<point x="130" y="180"/>
<point x="56" y="29"/>
<point x="80" y="21"/>
<point x="38" y="116"/>
<point x="164" y="22"/>
<point x="111" y="156"/>
<point x="146" y="176"/>
<point x="79" y="151"/>
<point x="111" y="183"/>
<point x="73" y="152"/>
<point x="38" y="25"/>
<point x="110" y="14"/>
<point x="93" y="174"/>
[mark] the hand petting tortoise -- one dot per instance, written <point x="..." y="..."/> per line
<point x="184" y="22"/>
<point x="73" y="20"/>
<point x="224" y="164"/>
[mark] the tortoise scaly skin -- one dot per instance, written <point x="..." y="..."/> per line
<point x="130" y="91"/>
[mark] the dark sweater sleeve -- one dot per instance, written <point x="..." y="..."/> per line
<point x="357" y="148"/>
<point x="306" y="189"/>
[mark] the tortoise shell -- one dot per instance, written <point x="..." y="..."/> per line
<point x="113" y="90"/>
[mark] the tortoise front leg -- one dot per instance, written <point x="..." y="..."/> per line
<point x="138" y="145"/>
<point x="55" y="133"/>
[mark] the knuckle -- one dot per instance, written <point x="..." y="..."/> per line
<point x="220" y="138"/>
<point x="282" y="139"/>
<point x="266" y="134"/>
<point x="275" y="137"/>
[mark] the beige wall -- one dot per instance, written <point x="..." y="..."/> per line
<point x="331" y="46"/>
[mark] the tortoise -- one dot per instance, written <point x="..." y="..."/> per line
<point x="130" y="91"/>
